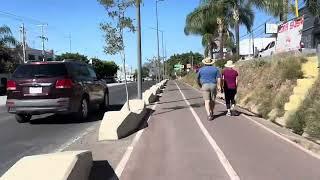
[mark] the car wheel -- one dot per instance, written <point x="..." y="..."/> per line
<point x="83" y="111"/>
<point x="105" y="104"/>
<point x="23" y="118"/>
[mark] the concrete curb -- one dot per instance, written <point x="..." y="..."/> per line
<point x="68" y="165"/>
<point x="119" y="124"/>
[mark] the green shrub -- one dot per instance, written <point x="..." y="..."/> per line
<point x="296" y="123"/>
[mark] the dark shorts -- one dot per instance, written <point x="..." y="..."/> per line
<point x="209" y="91"/>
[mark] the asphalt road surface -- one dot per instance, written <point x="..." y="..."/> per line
<point x="49" y="133"/>
<point x="179" y="143"/>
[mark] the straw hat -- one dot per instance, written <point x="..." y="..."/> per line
<point x="229" y="64"/>
<point x="208" y="61"/>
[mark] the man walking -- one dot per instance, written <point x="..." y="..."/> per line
<point x="230" y="84"/>
<point x="209" y="81"/>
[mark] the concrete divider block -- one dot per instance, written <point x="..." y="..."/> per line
<point x="149" y="97"/>
<point x="155" y="89"/>
<point x="68" y="165"/>
<point x="118" y="124"/>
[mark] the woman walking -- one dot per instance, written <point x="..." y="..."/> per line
<point x="209" y="81"/>
<point x="230" y="84"/>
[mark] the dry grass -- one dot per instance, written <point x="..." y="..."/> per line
<point x="265" y="85"/>
<point x="307" y="118"/>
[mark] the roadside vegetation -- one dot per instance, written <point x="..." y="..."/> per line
<point x="265" y="85"/>
<point x="307" y="118"/>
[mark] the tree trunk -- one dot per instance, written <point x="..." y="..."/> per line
<point x="221" y="42"/>
<point x="210" y="50"/>
<point x="237" y="30"/>
<point x="284" y="13"/>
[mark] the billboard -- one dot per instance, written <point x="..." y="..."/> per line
<point x="271" y="28"/>
<point x="289" y="35"/>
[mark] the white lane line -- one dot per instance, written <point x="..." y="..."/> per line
<point x="311" y="153"/>
<point x="282" y="137"/>
<point x="125" y="158"/>
<point x="223" y="159"/>
<point x="76" y="138"/>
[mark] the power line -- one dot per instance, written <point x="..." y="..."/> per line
<point x="21" y="18"/>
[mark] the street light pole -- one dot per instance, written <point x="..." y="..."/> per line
<point x="159" y="64"/>
<point x="163" y="55"/>
<point x="139" y="80"/>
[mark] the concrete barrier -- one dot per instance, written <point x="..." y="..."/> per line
<point x="69" y="165"/>
<point x="118" y="124"/>
<point x="155" y="89"/>
<point x="149" y="97"/>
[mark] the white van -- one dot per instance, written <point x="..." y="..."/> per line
<point x="269" y="50"/>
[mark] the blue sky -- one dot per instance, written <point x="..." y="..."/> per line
<point x="82" y="19"/>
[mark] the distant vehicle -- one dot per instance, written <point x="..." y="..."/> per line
<point x="147" y="79"/>
<point x="55" y="87"/>
<point x="268" y="50"/>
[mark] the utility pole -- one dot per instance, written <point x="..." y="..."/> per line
<point x="192" y="62"/>
<point x="69" y="37"/>
<point x="139" y="74"/>
<point x="43" y="38"/>
<point x="23" y="40"/>
<point x="253" y="43"/>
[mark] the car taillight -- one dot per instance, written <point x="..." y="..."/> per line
<point x="11" y="85"/>
<point x="64" y="84"/>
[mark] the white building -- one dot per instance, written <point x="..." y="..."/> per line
<point x="246" y="45"/>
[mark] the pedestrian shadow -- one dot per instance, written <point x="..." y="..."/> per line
<point x="180" y="100"/>
<point x="170" y="109"/>
<point x="102" y="170"/>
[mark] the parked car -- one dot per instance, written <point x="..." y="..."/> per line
<point x="55" y="87"/>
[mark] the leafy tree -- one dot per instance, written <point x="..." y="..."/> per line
<point x="104" y="68"/>
<point x="9" y="51"/>
<point x="313" y="6"/>
<point x="145" y="72"/>
<point x="184" y="58"/>
<point x="72" y="56"/>
<point x="114" y="29"/>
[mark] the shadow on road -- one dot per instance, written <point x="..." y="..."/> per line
<point x="102" y="170"/>
<point x="67" y="119"/>
<point x="95" y="115"/>
<point x="181" y="100"/>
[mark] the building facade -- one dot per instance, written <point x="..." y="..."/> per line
<point x="311" y="29"/>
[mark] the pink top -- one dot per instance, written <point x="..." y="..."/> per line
<point x="229" y="77"/>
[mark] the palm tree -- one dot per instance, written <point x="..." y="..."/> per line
<point x="6" y="41"/>
<point x="6" y="38"/>
<point x="199" y="23"/>
<point x="313" y="6"/>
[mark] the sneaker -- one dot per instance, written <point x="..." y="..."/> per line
<point x="233" y="107"/>
<point x="210" y="117"/>
<point x="229" y="113"/>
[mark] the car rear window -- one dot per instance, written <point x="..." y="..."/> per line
<point x="40" y="70"/>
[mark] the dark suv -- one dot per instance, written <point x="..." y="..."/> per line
<point x="55" y="87"/>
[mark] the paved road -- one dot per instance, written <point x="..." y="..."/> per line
<point x="47" y="134"/>
<point x="179" y="143"/>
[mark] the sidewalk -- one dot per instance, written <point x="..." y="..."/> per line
<point x="175" y="146"/>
